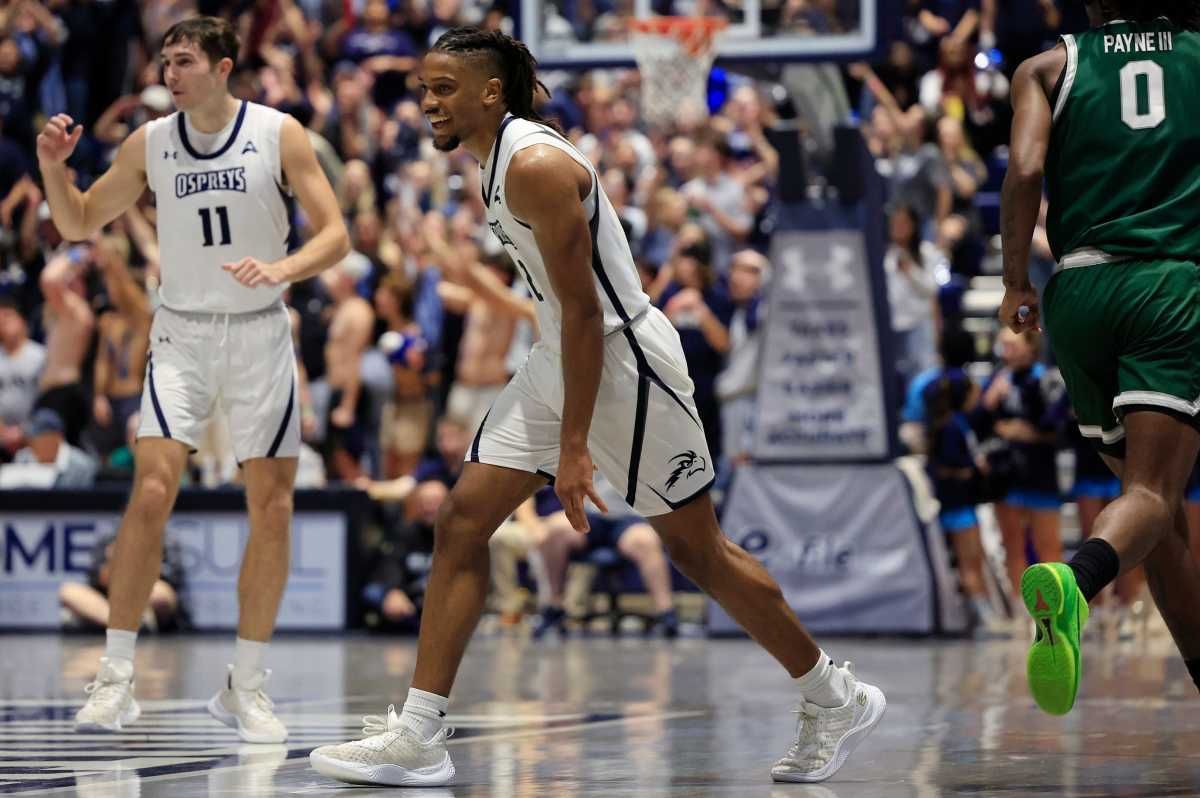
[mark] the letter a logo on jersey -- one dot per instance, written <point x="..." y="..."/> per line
<point x="249" y="148"/>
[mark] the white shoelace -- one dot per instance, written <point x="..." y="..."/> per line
<point x="262" y="702"/>
<point x="104" y="691"/>
<point x="389" y="722"/>
<point x="806" y="736"/>
<point x="378" y="724"/>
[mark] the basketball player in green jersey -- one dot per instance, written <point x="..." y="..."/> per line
<point x="1108" y="119"/>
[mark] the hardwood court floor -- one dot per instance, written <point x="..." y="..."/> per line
<point x="610" y="717"/>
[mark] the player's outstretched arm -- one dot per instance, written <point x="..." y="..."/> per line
<point x="544" y="188"/>
<point x="77" y="214"/>
<point x="331" y="242"/>
<point x="1021" y="197"/>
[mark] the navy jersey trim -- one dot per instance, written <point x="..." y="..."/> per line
<point x="598" y="266"/>
<point x="491" y="183"/>
<point x="549" y="477"/>
<point x="287" y="416"/>
<point x="643" y="367"/>
<point x="158" y="411"/>
<point x="639" y="436"/>
<point x="478" y="437"/>
<point x="187" y="145"/>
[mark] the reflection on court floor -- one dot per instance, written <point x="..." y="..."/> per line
<point x="609" y="717"/>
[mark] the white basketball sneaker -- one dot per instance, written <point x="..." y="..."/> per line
<point x="825" y="737"/>
<point x="248" y="709"/>
<point x="110" y="705"/>
<point x="388" y="754"/>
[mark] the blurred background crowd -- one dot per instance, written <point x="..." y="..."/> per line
<point x="406" y="342"/>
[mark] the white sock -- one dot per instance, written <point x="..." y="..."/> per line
<point x="423" y="712"/>
<point x="118" y="647"/>
<point x="824" y="685"/>
<point x="247" y="660"/>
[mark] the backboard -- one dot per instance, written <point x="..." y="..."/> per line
<point x="591" y="33"/>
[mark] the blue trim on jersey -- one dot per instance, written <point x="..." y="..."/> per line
<point x="958" y="519"/>
<point x="478" y="436"/>
<point x="1096" y="488"/>
<point x="549" y="477"/>
<point x="158" y="411"/>
<point x="1033" y="499"/>
<point x="187" y="145"/>
<point x="1193" y="494"/>
<point x="639" y="436"/>
<point x="287" y="416"/>
<point x="487" y="193"/>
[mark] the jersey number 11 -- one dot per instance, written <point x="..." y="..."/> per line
<point x="206" y="223"/>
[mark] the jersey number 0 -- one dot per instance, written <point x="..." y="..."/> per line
<point x="206" y="223"/>
<point x="1156" y="101"/>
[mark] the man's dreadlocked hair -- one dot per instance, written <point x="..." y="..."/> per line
<point x="511" y="59"/>
<point x="1182" y="13"/>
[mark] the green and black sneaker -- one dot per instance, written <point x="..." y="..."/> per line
<point x="1060" y="611"/>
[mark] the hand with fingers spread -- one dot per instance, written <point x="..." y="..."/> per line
<point x="574" y="487"/>
<point x="57" y="140"/>
<point x="252" y="272"/>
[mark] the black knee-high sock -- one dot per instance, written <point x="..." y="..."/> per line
<point x="1193" y="666"/>
<point x="1095" y="565"/>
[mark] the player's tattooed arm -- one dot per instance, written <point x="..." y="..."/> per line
<point x="545" y="188"/>
<point x="1021" y="197"/>
<point x="331" y="242"/>
<point x="77" y="214"/>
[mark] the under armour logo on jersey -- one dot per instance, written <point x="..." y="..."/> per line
<point x="162" y="339"/>
<point x="249" y="148"/>
<point x="497" y="197"/>
<point x="170" y="154"/>
<point x="686" y="463"/>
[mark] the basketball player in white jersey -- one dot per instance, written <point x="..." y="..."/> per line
<point x="606" y="384"/>
<point x="221" y="342"/>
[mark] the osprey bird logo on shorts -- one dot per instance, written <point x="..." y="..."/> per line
<point x="686" y="464"/>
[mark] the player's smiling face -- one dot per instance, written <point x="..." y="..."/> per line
<point x="189" y="74"/>
<point x="455" y="97"/>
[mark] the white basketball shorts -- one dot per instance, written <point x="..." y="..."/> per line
<point x="645" y="437"/>
<point x="240" y="363"/>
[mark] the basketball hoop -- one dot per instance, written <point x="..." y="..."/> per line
<point x="674" y="56"/>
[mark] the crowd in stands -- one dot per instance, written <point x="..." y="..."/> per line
<point x="405" y="343"/>
<point x="990" y="414"/>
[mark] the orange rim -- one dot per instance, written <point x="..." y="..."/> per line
<point x="695" y="33"/>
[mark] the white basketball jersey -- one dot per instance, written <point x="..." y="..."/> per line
<point x="217" y="207"/>
<point x="613" y="269"/>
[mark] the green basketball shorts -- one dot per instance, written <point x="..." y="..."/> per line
<point x="1126" y="334"/>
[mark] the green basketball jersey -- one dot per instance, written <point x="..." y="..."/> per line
<point x="1123" y="169"/>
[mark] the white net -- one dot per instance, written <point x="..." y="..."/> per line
<point x="674" y="58"/>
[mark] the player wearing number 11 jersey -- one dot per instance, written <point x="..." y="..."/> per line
<point x="220" y="342"/>
<point x="1108" y="119"/>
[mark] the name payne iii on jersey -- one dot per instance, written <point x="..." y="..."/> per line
<point x="1106" y="123"/>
